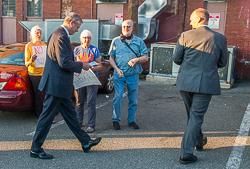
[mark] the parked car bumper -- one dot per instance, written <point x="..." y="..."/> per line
<point x="15" y="100"/>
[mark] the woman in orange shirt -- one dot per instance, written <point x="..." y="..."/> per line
<point x="35" y="54"/>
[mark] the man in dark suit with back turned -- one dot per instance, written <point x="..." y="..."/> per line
<point x="199" y="52"/>
<point x="57" y="83"/>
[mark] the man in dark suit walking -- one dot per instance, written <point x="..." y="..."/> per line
<point x="199" y="52"/>
<point x="57" y="83"/>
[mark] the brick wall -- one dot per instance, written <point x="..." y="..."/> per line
<point x="83" y="7"/>
<point x="20" y="15"/>
<point x="237" y="31"/>
<point x="51" y="10"/>
<point x="172" y="25"/>
<point x="1" y="35"/>
<point x="125" y="9"/>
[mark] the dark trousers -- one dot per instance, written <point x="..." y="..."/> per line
<point x="196" y="106"/>
<point x="52" y="105"/>
<point x="38" y="95"/>
<point x="88" y="94"/>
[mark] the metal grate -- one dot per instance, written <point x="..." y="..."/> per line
<point x="161" y="59"/>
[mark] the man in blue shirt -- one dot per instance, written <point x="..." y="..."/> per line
<point x="126" y="52"/>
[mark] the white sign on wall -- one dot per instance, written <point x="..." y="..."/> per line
<point x="214" y="21"/>
<point x="118" y="18"/>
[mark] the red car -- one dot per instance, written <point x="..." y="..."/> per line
<point x="15" y="88"/>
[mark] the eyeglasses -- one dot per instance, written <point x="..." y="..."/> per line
<point x="126" y="26"/>
<point x="87" y="37"/>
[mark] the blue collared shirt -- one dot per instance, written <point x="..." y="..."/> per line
<point x="121" y="54"/>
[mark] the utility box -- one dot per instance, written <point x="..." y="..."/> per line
<point x="163" y="69"/>
<point x="227" y="73"/>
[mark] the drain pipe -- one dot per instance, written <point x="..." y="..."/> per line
<point x="184" y="17"/>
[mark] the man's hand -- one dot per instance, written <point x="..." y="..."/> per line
<point x="98" y="68"/>
<point x="85" y="66"/>
<point x="120" y="72"/>
<point x="133" y="61"/>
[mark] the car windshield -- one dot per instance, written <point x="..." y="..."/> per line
<point x="13" y="59"/>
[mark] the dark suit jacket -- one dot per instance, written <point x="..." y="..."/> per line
<point x="57" y="79"/>
<point x="200" y="52"/>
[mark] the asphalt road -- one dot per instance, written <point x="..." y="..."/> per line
<point x="162" y="118"/>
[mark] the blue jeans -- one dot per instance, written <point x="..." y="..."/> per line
<point x="89" y="93"/>
<point x="132" y="85"/>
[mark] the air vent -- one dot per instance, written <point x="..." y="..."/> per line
<point x="163" y="68"/>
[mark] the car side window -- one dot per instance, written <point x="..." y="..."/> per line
<point x="13" y="59"/>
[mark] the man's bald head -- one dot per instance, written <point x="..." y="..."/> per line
<point x="199" y="17"/>
<point x="127" y="27"/>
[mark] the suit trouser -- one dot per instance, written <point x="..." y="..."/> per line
<point x="51" y="106"/>
<point x="196" y="106"/>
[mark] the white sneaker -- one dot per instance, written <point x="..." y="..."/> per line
<point x="90" y="130"/>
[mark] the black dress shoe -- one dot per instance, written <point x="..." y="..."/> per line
<point x="187" y="159"/>
<point x="199" y="147"/>
<point x="41" y="155"/>
<point x="133" y="125"/>
<point x="92" y="142"/>
<point x="116" y="125"/>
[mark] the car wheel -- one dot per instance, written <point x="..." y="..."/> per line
<point x="109" y="87"/>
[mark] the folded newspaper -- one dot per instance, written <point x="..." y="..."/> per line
<point x="85" y="78"/>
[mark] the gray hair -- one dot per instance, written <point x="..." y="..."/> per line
<point x="86" y="33"/>
<point x="72" y="16"/>
<point x="33" y="31"/>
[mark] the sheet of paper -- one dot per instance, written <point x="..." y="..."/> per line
<point x="40" y="52"/>
<point x="93" y="63"/>
<point x="85" y="78"/>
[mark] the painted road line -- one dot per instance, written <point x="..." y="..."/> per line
<point x="111" y="144"/>
<point x="53" y="126"/>
<point x="235" y="157"/>
<point x="62" y="121"/>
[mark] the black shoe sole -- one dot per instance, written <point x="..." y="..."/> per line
<point x="32" y="155"/>
<point x="135" y="128"/>
<point x="86" y="150"/>
<point x="186" y="162"/>
<point x="116" y="126"/>
<point x="200" y="147"/>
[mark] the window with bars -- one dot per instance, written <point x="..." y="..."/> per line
<point x="9" y="8"/>
<point x="34" y="8"/>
